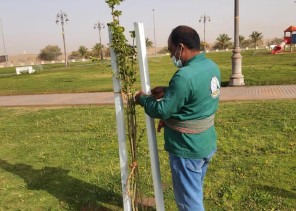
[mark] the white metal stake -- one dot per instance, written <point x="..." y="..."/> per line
<point x="145" y="82"/>
<point x="119" y="108"/>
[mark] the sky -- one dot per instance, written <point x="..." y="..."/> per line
<point x="30" y="25"/>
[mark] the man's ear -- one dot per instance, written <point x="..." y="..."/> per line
<point x="182" y="46"/>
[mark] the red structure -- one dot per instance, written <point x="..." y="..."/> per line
<point x="288" y="40"/>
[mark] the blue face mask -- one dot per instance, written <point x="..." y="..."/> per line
<point x="177" y="63"/>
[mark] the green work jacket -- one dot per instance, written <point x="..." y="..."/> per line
<point x="193" y="93"/>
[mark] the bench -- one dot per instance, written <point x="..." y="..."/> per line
<point x="271" y="47"/>
<point x="26" y="69"/>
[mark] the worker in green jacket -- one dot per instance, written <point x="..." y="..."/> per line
<point x="186" y="109"/>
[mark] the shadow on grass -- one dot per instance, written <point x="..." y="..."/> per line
<point x="77" y="194"/>
<point x="224" y="83"/>
<point x="278" y="191"/>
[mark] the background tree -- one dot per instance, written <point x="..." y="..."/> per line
<point x="241" y="39"/>
<point x="204" y="45"/>
<point x="223" y="42"/>
<point x="83" y="51"/>
<point x="164" y="50"/>
<point x="107" y="52"/>
<point x="75" y="55"/>
<point x="243" y="43"/>
<point x="149" y="43"/>
<point x="256" y="37"/>
<point x="96" y="49"/>
<point x="50" y="52"/>
<point x="275" y="41"/>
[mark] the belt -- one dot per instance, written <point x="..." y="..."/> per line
<point x="193" y="126"/>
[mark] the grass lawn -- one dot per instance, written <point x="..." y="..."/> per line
<point x="67" y="159"/>
<point x="54" y="78"/>
<point x="259" y="68"/>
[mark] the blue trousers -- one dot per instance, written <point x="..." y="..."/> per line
<point x="188" y="176"/>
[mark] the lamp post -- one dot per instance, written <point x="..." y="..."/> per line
<point x="100" y="26"/>
<point x="62" y="17"/>
<point x="204" y="19"/>
<point x="6" y="59"/>
<point x="236" y="78"/>
<point x="154" y="32"/>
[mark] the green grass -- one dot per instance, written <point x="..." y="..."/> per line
<point x="260" y="67"/>
<point x="54" y="78"/>
<point x="67" y="159"/>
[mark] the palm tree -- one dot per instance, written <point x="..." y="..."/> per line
<point x="256" y="37"/>
<point x="83" y="51"/>
<point x="96" y="49"/>
<point x="149" y="43"/>
<point x="223" y="41"/>
<point x="243" y="42"/>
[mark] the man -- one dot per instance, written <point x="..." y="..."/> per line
<point x="186" y="110"/>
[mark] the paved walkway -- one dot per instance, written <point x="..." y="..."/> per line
<point x="104" y="98"/>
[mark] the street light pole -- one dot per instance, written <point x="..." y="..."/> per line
<point x="204" y="19"/>
<point x="237" y="78"/>
<point x="154" y="33"/>
<point x="100" y="26"/>
<point x="6" y="59"/>
<point x="62" y="17"/>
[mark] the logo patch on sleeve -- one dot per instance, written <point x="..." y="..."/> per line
<point x="215" y="87"/>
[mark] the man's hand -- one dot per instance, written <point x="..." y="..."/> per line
<point x="137" y="97"/>
<point x="158" y="92"/>
<point x="160" y="125"/>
